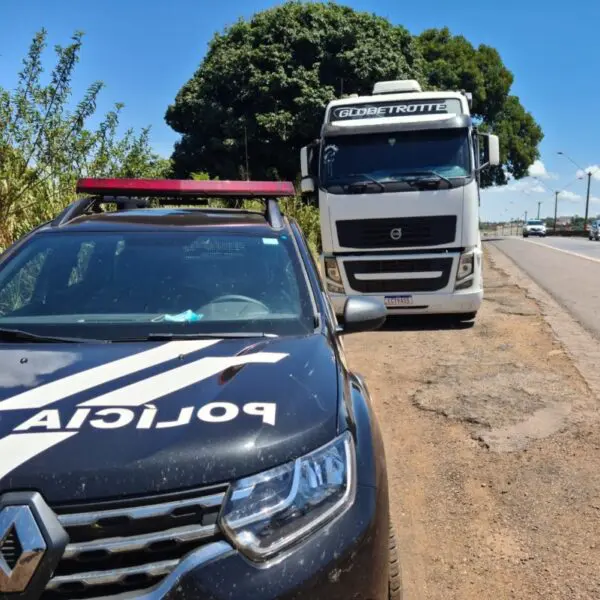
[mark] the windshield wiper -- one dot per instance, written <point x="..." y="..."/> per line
<point x="368" y="177"/>
<point x="18" y="335"/>
<point x="421" y="175"/>
<point x="199" y="336"/>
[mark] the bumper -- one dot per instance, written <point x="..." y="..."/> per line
<point x="538" y="233"/>
<point x="347" y="559"/>
<point x="425" y="304"/>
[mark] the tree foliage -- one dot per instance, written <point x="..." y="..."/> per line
<point x="45" y="145"/>
<point x="265" y="83"/>
<point x="452" y="63"/>
<point x="267" y="80"/>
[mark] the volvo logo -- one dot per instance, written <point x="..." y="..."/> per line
<point x="396" y="233"/>
<point x="22" y="548"/>
<point x="32" y="542"/>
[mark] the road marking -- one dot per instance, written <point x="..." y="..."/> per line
<point x="596" y="260"/>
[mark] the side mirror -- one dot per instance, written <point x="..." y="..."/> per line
<point x="309" y="167"/>
<point x="362" y="313"/>
<point x="307" y="185"/>
<point x="304" y="162"/>
<point x="493" y="150"/>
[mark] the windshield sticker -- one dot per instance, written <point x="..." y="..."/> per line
<point x="329" y="153"/>
<point x="126" y="406"/>
<point x="270" y="241"/>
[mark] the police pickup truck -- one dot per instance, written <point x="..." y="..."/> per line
<point x="177" y="418"/>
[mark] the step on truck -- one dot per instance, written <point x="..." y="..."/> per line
<point x="396" y="176"/>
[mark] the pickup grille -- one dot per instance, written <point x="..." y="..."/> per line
<point x="131" y="546"/>
<point x="430" y="275"/>
<point x="415" y="231"/>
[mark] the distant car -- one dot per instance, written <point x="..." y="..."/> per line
<point x="534" y="227"/>
<point x="594" y="231"/>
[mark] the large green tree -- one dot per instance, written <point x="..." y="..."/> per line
<point x="264" y="83"/>
<point x="452" y="63"/>
<point x="268" y="80"/>
<point x="46" y="143"/>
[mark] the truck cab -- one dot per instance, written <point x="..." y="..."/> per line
<point x="396" y="179"/>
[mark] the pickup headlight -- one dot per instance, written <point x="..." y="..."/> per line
<point x="269" y="512"/>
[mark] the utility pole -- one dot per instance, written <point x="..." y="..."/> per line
<point x="587" y="201"/>
<point x="539" y="204"/>
<point x="587" y="198"/>
<point x="555" y="210"/>
<point x="525" y="216"/>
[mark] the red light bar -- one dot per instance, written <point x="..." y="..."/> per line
<point x="184" y="187"/>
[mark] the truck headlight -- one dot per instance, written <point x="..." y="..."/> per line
<point x="333" y="277"/>
<point x="466" y="265"/>
<point x="266" y="513"/>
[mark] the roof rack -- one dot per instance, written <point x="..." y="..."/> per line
<point x="129" y="194"/>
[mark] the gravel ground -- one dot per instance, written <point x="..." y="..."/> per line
<point x="493" y="452"/>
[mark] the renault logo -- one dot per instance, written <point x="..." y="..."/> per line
<point x="22" y="548"/>
<point x="32" y="542"/>
<point x="396" y="233"/>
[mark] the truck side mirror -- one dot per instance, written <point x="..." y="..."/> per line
<point x="308" y="168"/>
<point x="304" y="162"/>
<point x="489" y="150"/>
<point x="493" y="150"/>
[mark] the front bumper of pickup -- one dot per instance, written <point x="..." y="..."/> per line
<point x="346" y="559"/>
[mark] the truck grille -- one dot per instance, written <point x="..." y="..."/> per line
<point x="414" y="231"/>
<point x="431" y="274"/>
<point x="131" y="546"/>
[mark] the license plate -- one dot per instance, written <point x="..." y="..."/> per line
<point x="398" y="300"/>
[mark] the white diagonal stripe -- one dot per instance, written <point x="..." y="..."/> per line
<point x="148" y="390"/>
<point x="17" y="448"/>
<point x="59" y="389"/>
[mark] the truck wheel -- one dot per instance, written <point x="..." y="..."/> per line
<point x="395" y="576"/>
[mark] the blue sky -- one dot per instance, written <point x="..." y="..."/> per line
<point x="144" y="50"/>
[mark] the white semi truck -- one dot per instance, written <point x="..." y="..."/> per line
<point x="396" y="179"/>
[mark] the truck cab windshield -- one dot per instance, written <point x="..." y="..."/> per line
<point x="372" y="163"/>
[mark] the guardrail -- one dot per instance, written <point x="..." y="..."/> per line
<point x="516" y="229"/>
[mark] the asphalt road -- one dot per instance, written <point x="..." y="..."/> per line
<point x="567" y="268"/>
<point x="577" y="245"/>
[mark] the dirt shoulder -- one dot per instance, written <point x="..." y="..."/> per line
<point x="493" y="451"/>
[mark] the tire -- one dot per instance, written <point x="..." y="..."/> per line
<point x="525" y="235"/>
<point x="395" y="573"/>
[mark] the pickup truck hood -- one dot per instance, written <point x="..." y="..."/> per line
<point x="98" y="421"/>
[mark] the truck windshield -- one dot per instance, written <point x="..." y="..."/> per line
<point x="392" y="160"/>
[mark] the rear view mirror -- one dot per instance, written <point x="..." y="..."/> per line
<point x="309" y="167"/>
<point x="493" y="150"/>
<point x="304" y="162"/>
<point x="362" y="313"/>
<point x="489" y="150"/>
